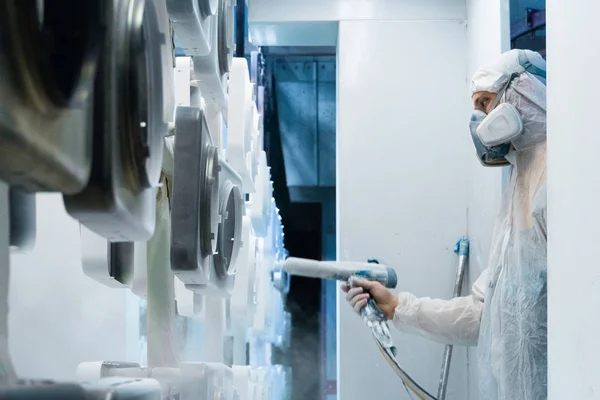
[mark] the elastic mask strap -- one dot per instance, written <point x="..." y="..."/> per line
<point x="529" y="67"/>
<point x="502" y="91"/>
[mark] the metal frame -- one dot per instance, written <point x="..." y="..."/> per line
<point x="535" y="20"/>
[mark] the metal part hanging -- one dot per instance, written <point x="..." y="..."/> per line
<point x="129" y="126"/>
<point x="195" y="197"/>
<point x="225" y="32"/>
<point x="193" y="21"/>
<point x="110" y="388"/>
<point x="211" y="70"/>
<point x="22" y="206"/>
<point x="143" y="128"/>
<point x="48" y="63"/>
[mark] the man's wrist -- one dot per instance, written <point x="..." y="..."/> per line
<point x="392" y="311"/>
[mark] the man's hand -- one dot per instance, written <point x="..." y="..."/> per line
<point x="358" y="296"/>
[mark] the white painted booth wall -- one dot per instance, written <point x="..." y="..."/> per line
<point x="402" y="183"/>
<point x="573" y="200"/>
<point x="407" y="174"/>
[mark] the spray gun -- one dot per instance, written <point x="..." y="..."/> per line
<point x="348" y="272"/>
<point x="372" y="315"/>
<point x="375" y="319"/>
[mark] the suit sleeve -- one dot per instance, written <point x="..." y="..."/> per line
<point x="454" y="321"/>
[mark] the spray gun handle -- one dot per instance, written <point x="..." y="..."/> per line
<point x="370" y="312"/>
<point x="375" y="319"/>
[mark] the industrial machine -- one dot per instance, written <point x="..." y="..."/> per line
<point x="160" y="160"/>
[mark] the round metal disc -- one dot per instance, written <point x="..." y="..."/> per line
<point x="141" y="125"/>
<point x="225" y="35"/>
<point x="229" y="236"/>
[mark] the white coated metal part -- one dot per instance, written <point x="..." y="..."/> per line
<point x="167" y="59"/>
<point x="231" y="212"/>
<point x="241" y="123"/>
<point x="256" y="138"/>
<point x="260" y="201"/>
<point x="107" y="263"/>
<point x="214" y="119"/>
<point x="126" y="168"/>
<point x="193" y="22"/>
<point x="115" y="265"/>
<point x="189" y="304"/>
<point x="262" y="318"/>
<point x="207" y="381"/>
<point x="212" y="70"/>
<point x="183" y="76"/>
<point x="222" y="264"/>
<point x="244" y="299"/>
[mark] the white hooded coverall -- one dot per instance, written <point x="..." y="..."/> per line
<point x="506" y="313"/>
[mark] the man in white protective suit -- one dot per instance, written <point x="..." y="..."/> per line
<point x="506" y="313"/>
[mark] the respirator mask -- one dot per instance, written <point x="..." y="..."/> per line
<point x="493" y="133"/>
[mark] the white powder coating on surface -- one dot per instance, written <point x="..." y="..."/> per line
<point x="7" y="372"/>
<point x="337" y="270"/>
<point x="162" y="346"/>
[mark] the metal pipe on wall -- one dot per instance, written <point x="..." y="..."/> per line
<point x="462" y="248"/>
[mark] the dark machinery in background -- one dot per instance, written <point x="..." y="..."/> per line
<point x="530" y="32"/>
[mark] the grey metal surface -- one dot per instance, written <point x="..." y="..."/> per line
<point x="120" y="261"/>
<point x="306" y="107"/>
<point x="46" y="93"/>
<point x="7" y="370"/>
<point x="119" y="199"/>
<point x="22" y="220"/>
<point x="225" y="32"/>
<point x="195" y="197"/>
<point x="116" y="388"/>
<point x="112" y="388"/>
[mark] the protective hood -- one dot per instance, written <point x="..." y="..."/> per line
<point x="527" y="90"/>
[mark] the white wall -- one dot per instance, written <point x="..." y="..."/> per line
<point x="58" y="316"/>
<point x="314" y="22"/>
<point x="573" y="200"/>
<point x="340" y="10"/>
<point x="403" y="152"/>
<point x="488" y="35"/>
